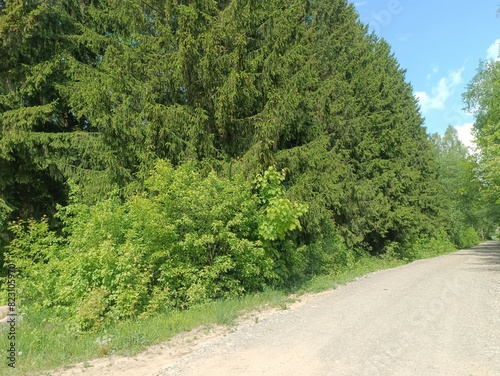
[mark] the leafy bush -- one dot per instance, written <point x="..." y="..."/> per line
<point x="329" y="256"/>
<point x="466" y="238"/>
<point x="423" y="247"/>
<point x="36" y="253"/>
<point x="186" y="239"/>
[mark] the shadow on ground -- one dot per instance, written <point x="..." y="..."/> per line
<point x="487" y="255"/>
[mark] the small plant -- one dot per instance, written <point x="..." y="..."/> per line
<point x="136" y="340"/>
<point x="283" y="306"/>
<point x="104" y="344"/>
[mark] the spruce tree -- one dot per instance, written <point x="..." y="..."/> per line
<point x="94" y="92"/>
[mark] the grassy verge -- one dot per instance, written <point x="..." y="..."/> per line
<point x="44" y="345"/>
<point x="362" y="267"/>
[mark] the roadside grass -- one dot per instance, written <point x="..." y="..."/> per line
<point x="362" y="267"/>
<point x="43" y="345"/>
<point x="48" y="345"/>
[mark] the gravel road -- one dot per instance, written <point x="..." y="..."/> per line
<point x="438" y="316"/>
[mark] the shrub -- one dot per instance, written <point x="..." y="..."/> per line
<point x="466" y="238"/>
<point x="423" y="247"/>
<point x="186" y="239"/>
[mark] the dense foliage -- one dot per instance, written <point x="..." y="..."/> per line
<point x="468" y="216"/>
<point x="483" y="100"/>
<point x="186" y="239"/>
<point x="158" y="154"/>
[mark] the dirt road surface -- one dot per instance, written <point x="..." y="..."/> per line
<point x="438" y="316"/>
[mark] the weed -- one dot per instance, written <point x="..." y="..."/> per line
<point x="104" y="345"/>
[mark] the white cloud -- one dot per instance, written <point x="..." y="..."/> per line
<point x="465" y="135"/>
<point x="456" y="77"/>
<point x="439" y="93"/>
<point x="493" y="52"/>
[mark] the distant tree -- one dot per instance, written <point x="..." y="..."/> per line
<point x="482" y="98"/>
<point x="461" y="190"/>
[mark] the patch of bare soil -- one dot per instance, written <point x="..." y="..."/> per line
<point x="159" y="357"/>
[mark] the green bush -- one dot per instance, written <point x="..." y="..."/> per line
<point x="424" y="247"/>
<point x="5" y="211"/>
<point x="36" y="253"/>
<point x="329" y="256"/>
<point x="188" y="238"/>
<point x="466" y="238"/>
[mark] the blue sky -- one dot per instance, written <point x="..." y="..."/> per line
<point x="440" y="44"/>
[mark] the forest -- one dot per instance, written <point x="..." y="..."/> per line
<point x="155" y="155"/>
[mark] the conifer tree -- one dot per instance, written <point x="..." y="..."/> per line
<point x="94" y="92"/>
<point x="374" y="174"/>
<point x="43" y="141"/>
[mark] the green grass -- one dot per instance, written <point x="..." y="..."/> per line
<point x="47" y="345"/>
<point x="363" y="266"/>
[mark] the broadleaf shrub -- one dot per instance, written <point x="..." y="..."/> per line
<point x="423" y="247"/>
<point x="466" y="237"/>
<point x="187" y="238"/>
